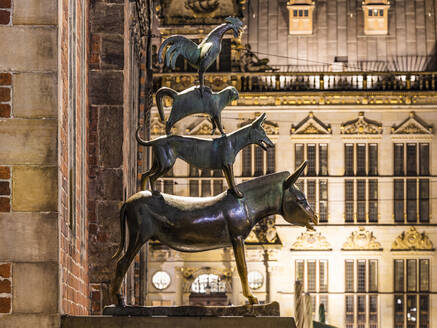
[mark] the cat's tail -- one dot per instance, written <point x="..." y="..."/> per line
<point x="140" y="140"/>
<point x="160" y="94"/>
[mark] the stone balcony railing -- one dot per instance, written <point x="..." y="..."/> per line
<point x="305" y="82"/>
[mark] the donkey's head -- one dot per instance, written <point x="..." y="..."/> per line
<point x="257" y="135"/>
<point x="295" y="207"/>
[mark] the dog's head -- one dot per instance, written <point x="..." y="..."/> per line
<point x="258" y="135"/>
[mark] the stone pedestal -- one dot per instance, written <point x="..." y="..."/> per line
<point x="177" y="322"/>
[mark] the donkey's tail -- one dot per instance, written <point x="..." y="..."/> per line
<point x="140" y="140"/>
<point x="160" y="94"/>
<point x="122" y="230"/>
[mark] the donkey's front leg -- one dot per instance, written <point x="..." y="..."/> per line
<point x="238" y="244"/>
<point x="229" y="174"/>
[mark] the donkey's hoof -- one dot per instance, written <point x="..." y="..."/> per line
<point x="120" y="300"/>
<point x="252" y="299"/>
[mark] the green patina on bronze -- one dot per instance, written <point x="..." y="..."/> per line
<point x="190" y="102"/>
<point x="191" y="224"/>
<point x="218" y="153"/>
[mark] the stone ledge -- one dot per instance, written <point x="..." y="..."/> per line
<point x="176" y="322"/>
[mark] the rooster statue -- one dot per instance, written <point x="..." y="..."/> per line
<point x="199" y="56"/>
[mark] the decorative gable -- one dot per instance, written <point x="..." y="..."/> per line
<point x="201" y="127"/>
<point x="311" y="125"/>
<point x="270" y="127"/>
<point x="412" y="240"/>
<point x="157" y="128"/>
<point x="311" y="241"/>
<point x="412" y="125"/>
<point x="361" y="125"/>
<point x="362" y="240"/>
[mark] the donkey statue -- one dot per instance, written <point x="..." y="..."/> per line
<point x="191" y="224"/>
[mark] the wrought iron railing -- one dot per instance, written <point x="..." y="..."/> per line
<point x="299" y="81"/>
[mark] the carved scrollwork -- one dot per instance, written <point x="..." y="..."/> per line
<point x="412" y="125"/>
<point x="412" y="240"/>
<point x="310" y="125"/>
<point x="361" y="125"/>
<point x="361" y="240"/>
<point x="311" y="241"/>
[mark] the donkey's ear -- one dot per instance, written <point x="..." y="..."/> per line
<point x="259" y="120"/>
<point x="293" y="178"/>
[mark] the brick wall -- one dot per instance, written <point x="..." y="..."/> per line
<point x="73" y="118"/>
<point x="5" y="288"/>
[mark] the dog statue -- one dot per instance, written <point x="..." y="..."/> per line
<point x="218" y="153"/>
<point x="190" y="102"/>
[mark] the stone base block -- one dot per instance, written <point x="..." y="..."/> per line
<point x="177" y="322"/>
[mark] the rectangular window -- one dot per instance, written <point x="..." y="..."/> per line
<point x="424" y="200"/>
<point x="311" y="159"/>
<point x="323" y="276"/>
<point x="361" y="200"/>
<point x="373" y="200"/>
<point x="300" y="270"/>
<point x="399" y="311"/>
<point x="424" y="159"/>
<point x="206" y="188"/>
<point x="311" y="267"/>
<point x="411" y="311"/>
<point x="411" y="159"/>
<point x="381" y="12"/>
<point x="168" y="187"/>
<point x="361" y="159"/>
<point x="398" y="159"/>
<point x="399" y="275"/>
<point x="311" y="193"/>
<point x="218" y="187"/>
<point x="370" y="12"/>
<point x="349" y="159"/>
<point x="271" y="160"/>
<point x="373" y="275"/>
<point x="349" y="273"/>
<point x="194" y="188"/>
<point x="300" y="12"/>
<point x="399" y="200"/>
<point x="361" y="275"/>
<point x="259" y="161"/>
<point x="361" y="311"/>
<point x="411" y="200"/>
<point x="424" y="275"/>
<point x="349" y="311"/>
<point x="323" y="200"/>
<point x="424" y="311"/>
<point x="295" y="13"/>
<point x="247" y="161"/>
<point x="323" y="159"/>
<point x="349" y="201"/>
<point x="373" y="311"/>
<point x="411" y="275"/>
<point x="298" y="155"/>
<point x="373" y="159"/>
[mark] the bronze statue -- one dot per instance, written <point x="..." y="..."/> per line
<point x="190" y="102"/>
<point x="249" y="62"/>
<point x="199" y="56"/>
<point x="218" y="153"/>
<point x="192" y="224"/>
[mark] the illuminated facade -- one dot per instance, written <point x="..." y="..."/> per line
<point x="361" y="109"/>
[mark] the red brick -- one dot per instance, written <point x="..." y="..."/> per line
<point x="4" y="188"/>
<point x="5" y="78"/>
<point x="4" y="17"/>
<point x="5" y="305"/>
<point x="5" y="172"/>
<point x="5" y="204"/>
<point x="5" y="94"/>
<point x="5" y="110"/>
<point x="5" y="3"/>
<point x="5" y="270"/>
<point x="5" y="286"/>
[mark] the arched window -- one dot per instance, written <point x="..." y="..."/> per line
<point x="208" y="283"/>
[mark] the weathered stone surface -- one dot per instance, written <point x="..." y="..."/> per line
<point x="112" y="52"/>
<point x="34" y="189"/>
<point x="35" y="12"/>
<point x="28" y="48"/>
<point x="107" y="18"/>
<point x="29" y="237"/>
<point x="267" y="310"/>
<point x="34" y="286"/>
<point x="28" y="141"/>
<point x="106" y="88"/>
<point x="30" y="321"/>
<point x="110" y="184"/>
<point x="172" y="322"/>
<point x="35" y="95"/>
<point x="110" y="137"/>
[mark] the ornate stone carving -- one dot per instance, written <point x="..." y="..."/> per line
<point x="190" y="274"/>
<point x="412" y="240"/>
<point x="310" y="125"/>
<point x="201" y="127"/>
<point x="361" y="125"/>
<point x="202" y="7"/>
<point x="361" y="240"/>
<point x="270" y="127"/>
<point x="157" y="128"/>
<point x="311" y="241"/>
<point x="412" y="125"/>
<point x="264" y="233"/>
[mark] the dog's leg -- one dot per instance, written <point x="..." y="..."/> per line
<point x="229" y="174"/>
<point x="218" y="122"/>
<point x="240" y="258"/>
<point x="214" y="126"/>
